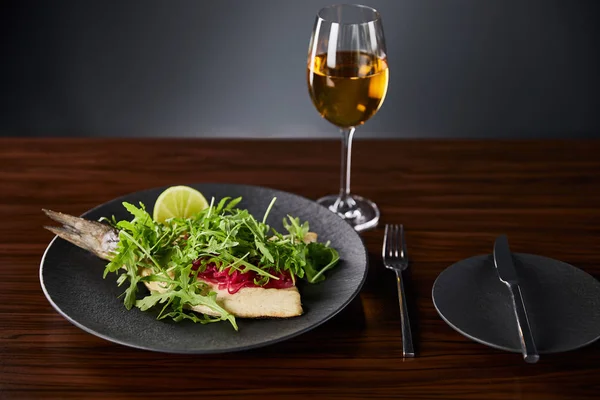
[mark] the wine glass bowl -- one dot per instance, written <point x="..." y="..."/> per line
<point x="348" y="76"/>
<point x="348" y="89"/>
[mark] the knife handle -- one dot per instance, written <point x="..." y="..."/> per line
<point x="408" y="350"/>
<point x="529" y="351"/>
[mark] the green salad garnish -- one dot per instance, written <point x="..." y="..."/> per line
<point x="221" y="236"/>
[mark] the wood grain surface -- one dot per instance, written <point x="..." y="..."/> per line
<point x="454" y="198"/>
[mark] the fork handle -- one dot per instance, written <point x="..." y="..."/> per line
<point x="407" y="342"/>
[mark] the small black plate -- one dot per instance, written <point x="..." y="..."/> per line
<point x="562" y="302"/>
<point x="72" y="281"/>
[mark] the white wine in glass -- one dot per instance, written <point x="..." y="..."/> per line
<point x="348" y="77"/>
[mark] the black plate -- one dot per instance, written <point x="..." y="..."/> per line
<point x="72" y="281"/>
<point x="562" y="302"/>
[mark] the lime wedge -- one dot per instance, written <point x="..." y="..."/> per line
<point x="178" y="202"/>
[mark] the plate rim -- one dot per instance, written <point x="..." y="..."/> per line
<point x="493" y="345"/>
<point x="312" y="326"/>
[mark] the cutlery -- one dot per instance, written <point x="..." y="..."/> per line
<point x="396" y="258"/>
<point x="508" y="275"/>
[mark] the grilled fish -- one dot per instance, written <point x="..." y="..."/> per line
<point x="249" y="302"/>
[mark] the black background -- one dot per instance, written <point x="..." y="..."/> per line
<point x="459" y="68"/>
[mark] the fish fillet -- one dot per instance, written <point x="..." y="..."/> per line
<point x="250" y="302"/>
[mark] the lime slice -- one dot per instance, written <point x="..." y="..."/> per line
<point x="178" y="202"/>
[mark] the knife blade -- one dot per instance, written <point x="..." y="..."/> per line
<point x="507" y="273"/>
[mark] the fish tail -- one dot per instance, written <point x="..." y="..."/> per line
<point x="96" y="237"/>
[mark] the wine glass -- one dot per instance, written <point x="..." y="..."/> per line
<point x="347" y="80"/>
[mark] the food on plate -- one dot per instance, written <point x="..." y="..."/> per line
<point x="215" y="264"/>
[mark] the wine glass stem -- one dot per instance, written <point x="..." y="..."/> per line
<point x="347" y="135"/>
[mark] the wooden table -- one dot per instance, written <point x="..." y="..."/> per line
<point x="453" y="197"/>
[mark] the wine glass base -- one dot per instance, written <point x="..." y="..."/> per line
<point x="359" y="212"/>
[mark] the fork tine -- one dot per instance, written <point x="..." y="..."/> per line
<point x="385" y="249"/>
<point x="403" y="239"/>
<point x="396" y="242"/>
<point x="390" y="243"/>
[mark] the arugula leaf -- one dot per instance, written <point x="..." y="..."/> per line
<point x="296" y="230"/>
<point x="263" y="249"/>
<point x="320" y="259"/>
<point x="233" y="203"/>
<point x="153" y="299"/>
<point x="221" y="205"/>
<point x="131" y="291"/>
<point x="140" y="214"/>
<point x="122" y="279"/>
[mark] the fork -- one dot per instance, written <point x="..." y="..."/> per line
<point x="396" y="259"/>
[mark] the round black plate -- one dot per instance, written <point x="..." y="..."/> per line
<point x="562" y="302"/>
<point x="72" y="281"/>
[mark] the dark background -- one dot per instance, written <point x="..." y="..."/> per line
<point x="459" y="68"/>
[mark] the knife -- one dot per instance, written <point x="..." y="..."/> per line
<point x="506" y="272"/>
